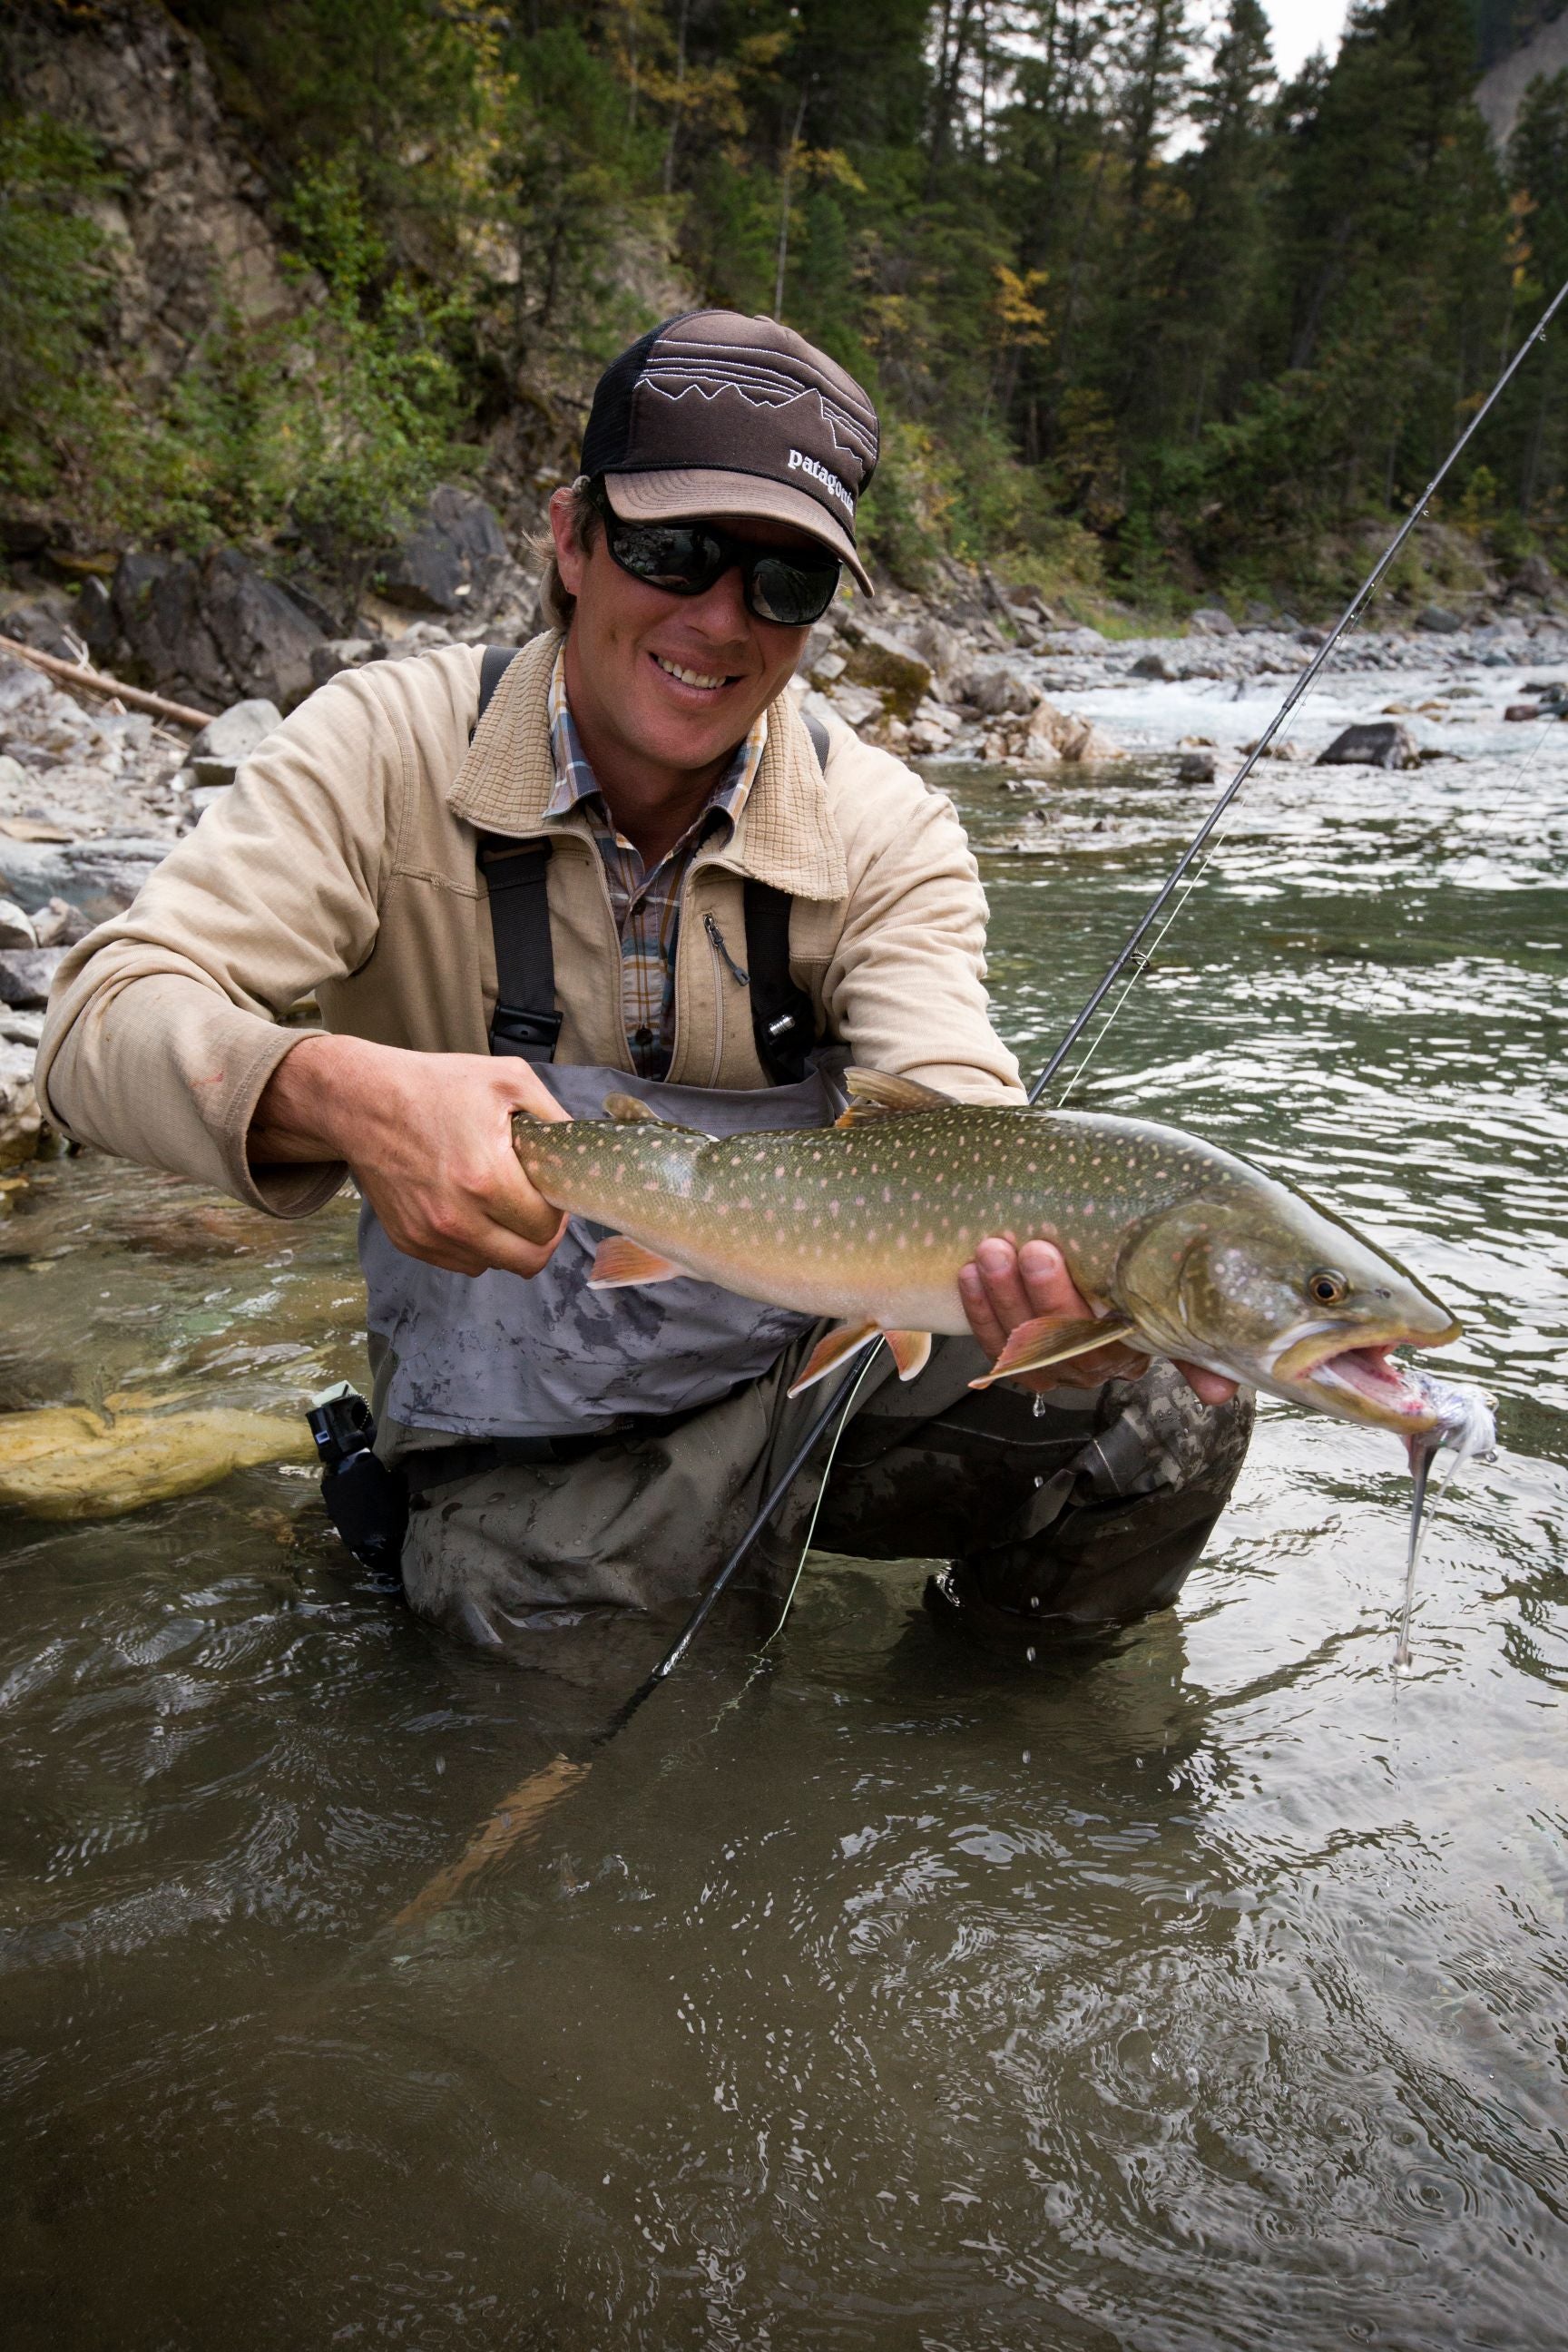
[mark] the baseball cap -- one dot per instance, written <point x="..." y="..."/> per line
<point x="716" y="414"/>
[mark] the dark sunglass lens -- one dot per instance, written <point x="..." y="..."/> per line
<point x="793" y="594"/>
<point x="672" y="557"/>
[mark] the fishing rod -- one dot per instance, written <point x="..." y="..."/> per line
<point x="525" y="1810"/>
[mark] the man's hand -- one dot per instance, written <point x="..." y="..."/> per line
<point x="429" y="1139"/>
<point x="1003" y="1286"/>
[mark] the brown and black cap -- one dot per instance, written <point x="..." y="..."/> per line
<point x="716" y="414"/>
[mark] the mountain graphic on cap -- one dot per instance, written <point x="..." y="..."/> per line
<point x="716" y="414"/>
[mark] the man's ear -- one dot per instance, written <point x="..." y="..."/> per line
<point x="570" y="560"/>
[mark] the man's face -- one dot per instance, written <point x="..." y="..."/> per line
<point x="673" y="682"/>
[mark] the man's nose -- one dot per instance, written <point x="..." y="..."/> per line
<point x="720" y="612"/>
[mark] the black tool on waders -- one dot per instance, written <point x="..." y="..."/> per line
<point x="366" y="1502"/>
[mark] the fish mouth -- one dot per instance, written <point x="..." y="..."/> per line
<point x="1358" y="1378"/>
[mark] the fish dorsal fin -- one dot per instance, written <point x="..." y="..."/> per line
<point x="627" y="1110"/>
<point x="877" y="1094"/>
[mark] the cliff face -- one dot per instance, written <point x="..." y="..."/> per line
<point x="185" y="216"/>
<point x="1500" y="93"/>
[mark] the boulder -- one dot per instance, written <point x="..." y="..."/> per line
<point x="826" y="667"/>
<point x="1535" y="577"/>
<point x="449" y="555"/>
<point x="226" y="741"/>
<point x="997" y="692"/>
<point x="1089" y="744"/>
<point x="1195" y="768"/>
<point x="19" y="1118"/>
<point x="15" y="928"/>
<point x="344" y="653"/>
<point x="1516" y="711"/>
<point x="901" y="676"/>
<point x="1209" y="621"/>
<point x="1152" y="666"/>
<point x="1378" y="744"/>
<point x="25" y="974"/>
<point x="214" y="633"/>
<point x="1070" y="736"/>
<point x="61" y="925"/>
<point x="858" y="706"/>
<point x="1439" y="620"/>
<point x="100" y="877"/>
<point x="937" y="644"/>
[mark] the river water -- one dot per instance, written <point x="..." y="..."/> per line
<point x="1201" y="1988"/>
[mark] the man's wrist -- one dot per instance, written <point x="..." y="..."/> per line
<point x="307" y="1109"/>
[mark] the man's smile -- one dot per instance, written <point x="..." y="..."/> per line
<point x="704" y="681"/>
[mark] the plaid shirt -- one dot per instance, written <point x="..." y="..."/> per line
<point x="647" y="901"/>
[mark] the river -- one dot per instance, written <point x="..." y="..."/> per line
<point x="1201" y="1987"/>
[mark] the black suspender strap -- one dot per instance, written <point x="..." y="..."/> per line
<point x="525" y="1022"/>
<point x="783" y="1019"/>
<point x="493" y="667"/>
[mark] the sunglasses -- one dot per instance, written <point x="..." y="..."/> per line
<point x="784" y="584"/>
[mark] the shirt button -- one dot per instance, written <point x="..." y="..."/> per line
<point x="643" y="1037"/>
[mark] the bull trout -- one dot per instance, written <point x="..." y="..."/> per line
<point x="1181" y="1249"/>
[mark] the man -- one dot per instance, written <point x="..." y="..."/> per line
<point x="624" y="864"/>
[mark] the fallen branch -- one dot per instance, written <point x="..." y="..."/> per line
<point x="98" y="681"/>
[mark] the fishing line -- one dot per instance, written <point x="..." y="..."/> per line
<point x="1347" y="620"/>
<point x="871" y="1355"/>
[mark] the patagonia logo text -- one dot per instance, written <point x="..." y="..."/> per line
<point x="800" y="463"/>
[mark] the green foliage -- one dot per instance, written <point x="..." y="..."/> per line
<point x="1133" y="314"/>
<point x="53" y="290"/>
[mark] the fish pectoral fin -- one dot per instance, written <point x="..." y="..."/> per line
<point x="627" y="1110"/>
<point x="877" y="1094"/>
<point x="618" y="1262"/>
<point x="1051" y="1339"/>
<point x="832" y="1349"/>
<point x="911" y="1350"/>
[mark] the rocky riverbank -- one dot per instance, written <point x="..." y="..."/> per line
<point x="92" y="795"/>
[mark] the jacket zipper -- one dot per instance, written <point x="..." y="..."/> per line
<point x="722" y="961"/>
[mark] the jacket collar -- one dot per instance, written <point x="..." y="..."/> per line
<point x="785" y="835"/>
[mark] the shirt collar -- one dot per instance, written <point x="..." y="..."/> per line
<point x="575" y="780"/>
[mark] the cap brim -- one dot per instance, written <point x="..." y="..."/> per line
<point x="683" y="493"/>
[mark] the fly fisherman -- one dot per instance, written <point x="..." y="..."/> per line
<point x="620" y="863"/>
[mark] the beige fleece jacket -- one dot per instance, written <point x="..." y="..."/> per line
<point x="342" y="863"/>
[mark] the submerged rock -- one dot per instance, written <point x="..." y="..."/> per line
<point x="64" y="1462"/>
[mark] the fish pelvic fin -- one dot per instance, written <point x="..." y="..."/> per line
<point x="877" y="1094"/>
<point x="1051" y="1339"/>
<point x="619" y="1262"/>
<point x="627" y="1110"/>
<point x="910" y="1351"/>
<point x="834" y="1347"/>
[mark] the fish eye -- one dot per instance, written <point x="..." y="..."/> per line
<point x="1327" y="1287"/>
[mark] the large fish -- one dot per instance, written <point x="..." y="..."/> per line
<point x="1181" y="1249"/>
